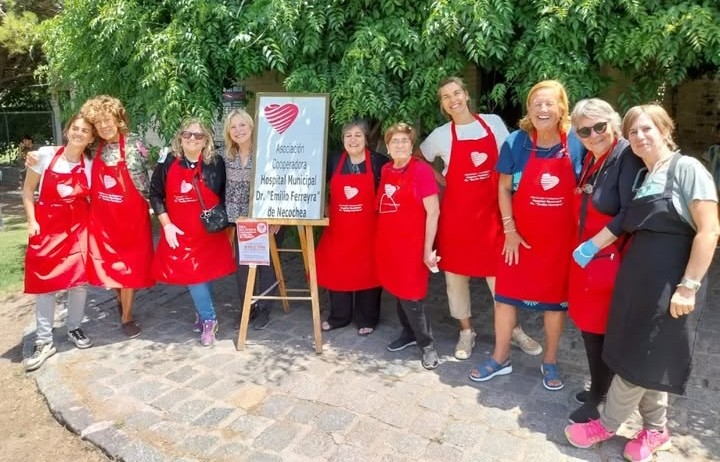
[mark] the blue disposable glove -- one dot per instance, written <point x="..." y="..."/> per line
<point x="585" y="252"/>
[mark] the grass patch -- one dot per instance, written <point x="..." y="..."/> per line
<point x="13" y="240"/>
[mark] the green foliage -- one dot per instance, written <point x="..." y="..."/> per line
<point x="379" y="59"/>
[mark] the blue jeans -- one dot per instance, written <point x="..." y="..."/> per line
<point x="202" y="298"/>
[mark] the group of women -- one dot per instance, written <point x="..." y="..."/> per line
<point x="575" y="211"/>
<point x="601" y="217"/>
<point x="91" y="222"/>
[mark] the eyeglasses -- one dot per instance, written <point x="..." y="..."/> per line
<point x="400" y="141"/>
<point x="598" y="128"/>
<point x="187" y="135"/>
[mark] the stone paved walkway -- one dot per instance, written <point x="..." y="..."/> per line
<point x="163" y="397"/>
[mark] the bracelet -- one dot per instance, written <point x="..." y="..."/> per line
<point x="507" y="219"/>
<point x="689" y="284"/>
<point x="506" y="231"/>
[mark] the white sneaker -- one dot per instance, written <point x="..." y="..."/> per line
<point x="465" y="344"/>
<point x="41" y="352"/>
<point x="525" y="342"/>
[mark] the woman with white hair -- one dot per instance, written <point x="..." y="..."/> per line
<point x="601" y="198"/>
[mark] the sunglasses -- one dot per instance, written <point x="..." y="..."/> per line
<point x="198" y="136"/>
<point x="598" y="128"/>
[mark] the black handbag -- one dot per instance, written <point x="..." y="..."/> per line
<point x="214" y="219"/>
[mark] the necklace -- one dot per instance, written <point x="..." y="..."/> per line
<point x="596" y="168"/>
<point x="354" y="168"/>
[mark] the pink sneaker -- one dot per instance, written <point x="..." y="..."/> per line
<point x="584" y="435"/>
<point x="646" y="444"/>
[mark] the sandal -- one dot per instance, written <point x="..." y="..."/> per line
<point x="489" y="369"/>
<point x="551" y="374"/>
<point x="363" y="331"/>
<point x="326" y="326"/>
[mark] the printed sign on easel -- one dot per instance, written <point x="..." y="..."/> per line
<point x="289" y="189"/>
<point x="290" y="140"/>
<point x="253" y="242"/>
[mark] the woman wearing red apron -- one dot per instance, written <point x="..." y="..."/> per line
<point x="57" y="227"/>
<point x="408" y="212"/>
<point x="604" y="191"/>
<point x="120" y="235"/>
<point x="537" y="183"/>
<point x="187" y="254"/>
<point x="344" y="265"/>
<point x="469" y="232"/>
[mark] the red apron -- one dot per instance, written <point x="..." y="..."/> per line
<point x="342" y="258"/>
<point x="469" y="228"/>
<point x="400" y="234"/>
<point x="544" y="217"/>
<point x="56" y="257"/>
<point x="591" y="288"/>
<point x="120" y="232"/>
<point x="201" y="256"/>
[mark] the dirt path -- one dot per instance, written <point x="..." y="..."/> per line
<point x="28" y="432"/>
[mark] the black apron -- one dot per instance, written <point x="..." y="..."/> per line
<point x="644" y="344"/>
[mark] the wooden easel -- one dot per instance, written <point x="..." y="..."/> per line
<point x="307" y="248"/>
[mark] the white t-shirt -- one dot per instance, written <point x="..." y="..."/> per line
<point x="45" y="156"/>
<point x="692" y="182"/>
<point x="439" y="142"/>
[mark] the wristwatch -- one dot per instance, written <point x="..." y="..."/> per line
<point x="689" y="284"/>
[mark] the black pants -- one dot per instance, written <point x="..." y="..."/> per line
<point x="600" y="374"/>
<point x="363" y="304"/>
<point x="264" y="277"/>
<point x="414" y="321"/>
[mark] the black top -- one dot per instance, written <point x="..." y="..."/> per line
<point x="614" y="190"/>
<point x="213" y="176"/>
<point x="376" y="159"/>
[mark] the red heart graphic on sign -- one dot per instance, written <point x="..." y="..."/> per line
<point x="281" y="116"/>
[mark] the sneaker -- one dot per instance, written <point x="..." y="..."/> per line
<point x="525" y="342"/>
<point x="41" y="352"/>
<point x="430" y="358"/>
<point x="77" y="336"/>
<point x="401" y="343"/>
<point x="585" y="413"/>
<point x="584" y="435"/>
<point x="131" y="329"/>
<point x="197" y="325"/>
<point x="261" y="318"/>
<point x="465" y="344"/>
<point x="646" y="444"/>
<point x="210" y="327"/>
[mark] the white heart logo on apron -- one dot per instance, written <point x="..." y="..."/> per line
<point x="64" y="190"/>
<point x="350" y="192"/>
<point x="185" y="187"/>
<point x="109" y="181"/>
<point x="548" y="181"/>
<point x="390" y="190"/>
<point x="478" y="158"/>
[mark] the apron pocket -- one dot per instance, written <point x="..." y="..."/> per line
<point x="600" y="273"/>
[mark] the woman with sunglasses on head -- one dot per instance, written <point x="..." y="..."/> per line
<point x="469" y="231"/>
<point x="601" y="199"/>
<point x="660" y="288"/>
<point x="345" y="267"/>
<point x="538" y="165"/>
<point x="239" y="160"/>
<point x="57" y="228"/>
<point x="120" y="233"/>
<point x="189" y="181"/>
